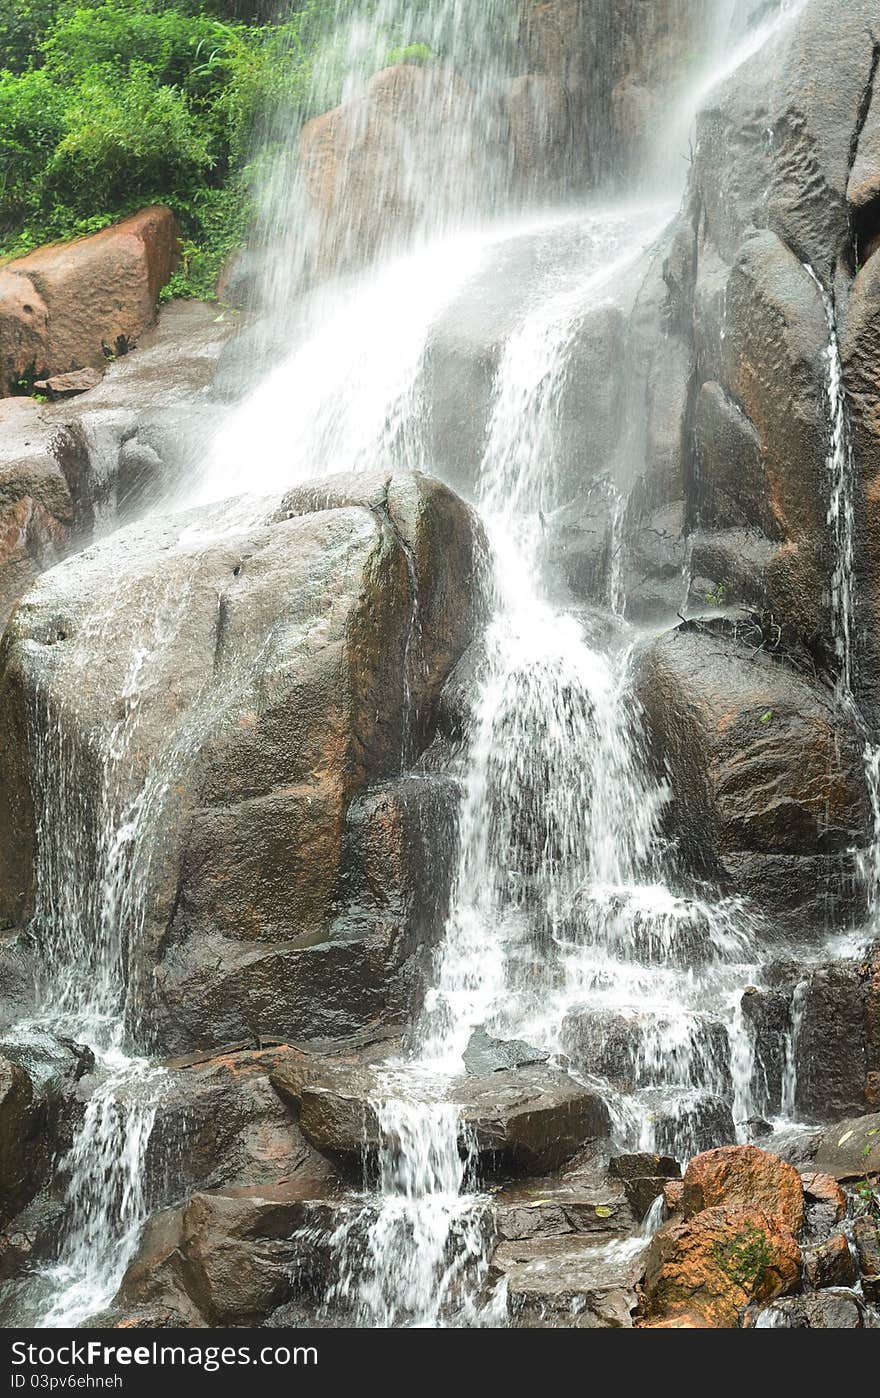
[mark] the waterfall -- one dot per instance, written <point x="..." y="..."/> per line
<point x="840" y="466"/>
<point x="564" y="907"/>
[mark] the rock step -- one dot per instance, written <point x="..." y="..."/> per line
<point x="569" y="1282"/>
<point x="529" y="1120"/>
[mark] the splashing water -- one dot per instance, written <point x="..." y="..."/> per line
<point x="557" y="903"/>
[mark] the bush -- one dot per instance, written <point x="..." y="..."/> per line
<point x="109" y="104"/>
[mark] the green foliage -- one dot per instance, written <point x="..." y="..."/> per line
<point x="409" y="53"/>
<point x="106" y="105"/>
<point x="744" y="1257"/>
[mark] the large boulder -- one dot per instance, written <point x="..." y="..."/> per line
<point x="72" y="305"/>
<point x="713" y="1266"/>
<point x="766" y="772"/>
<point x="221" y="1125"/>
<point x="223" y="1258"/>
<point x="289" y="669"/>
<point x="744" y="1177"/>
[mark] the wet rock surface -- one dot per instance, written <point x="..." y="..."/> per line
<point x="530" y="1119"/>
<point x="285" y="707"/>
<point x="766" y="776"/>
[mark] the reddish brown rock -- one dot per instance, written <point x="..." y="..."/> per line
<point x="747" y="1178"/>
<point x="67" y="385"/>
<point x="374" y="165"/>
<point x="67" y="306"/>
<point x="713" y="1266"/>
<point x="672" y="1192"/>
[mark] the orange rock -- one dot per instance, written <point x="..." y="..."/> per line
<point x="672" y="1191"/>
<point x="712" y="1266"/>
<point x="744" y="1177"/>
<point x="63" y="307"/>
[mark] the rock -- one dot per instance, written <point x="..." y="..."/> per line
<point x="766" y="774"/>
<point x="715" y="1264"/>
<point x="554" y="1207"/>
<point x="641" y="1050"/>
<point x="635" y="1167"/>
<point x="815" y="121"/>
<point x="737" y="493"/>
<point x="141" y="432"/>
<point x="370" y="166"/>
<point x="744" y="1177"/>
<point x="541" y="134"/>
<point x="15" y="1253"/>
<point x="757" y="1128"/>
<point x="16" y="1126"/>
<point x="530" y="1119"/>
<point x="830" y="1264"/>
<point x="568" y="1282"/>
<point x="36" y="511"/>
<point x="850" y="1150"/>
<point x="767" y="1014"/>
<point x="824" y="1190"/>
<point x="487" y="1055"/>
<point x="687" y="1122"/>
<point x="64" y="306"/>
<point x="672" y="1192"/>
<point x="866" y="1237"/>
<point x="831" y="1055"/>
<point x="557" y="42"/>
<point x="226" y="1258"/>
<point x="635" y="110"/>
<point x="66" y="385"/>
<point x="221" y="1125"/>
<point x="827" y="1310"/>
<point x="271" y="715"/>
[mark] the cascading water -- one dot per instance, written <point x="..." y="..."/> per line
<point x="562" y="909"/>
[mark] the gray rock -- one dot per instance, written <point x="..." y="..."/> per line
<point x="485" y="1054"/>
<point x="850" y="1150"/>
<point x="570" y="1282"/>
<point x="529" y="1119"/>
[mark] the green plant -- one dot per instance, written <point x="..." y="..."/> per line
<point x="409" y="53"/>
<point x="716" y="597"/>
<point x="744" y="1257"/>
